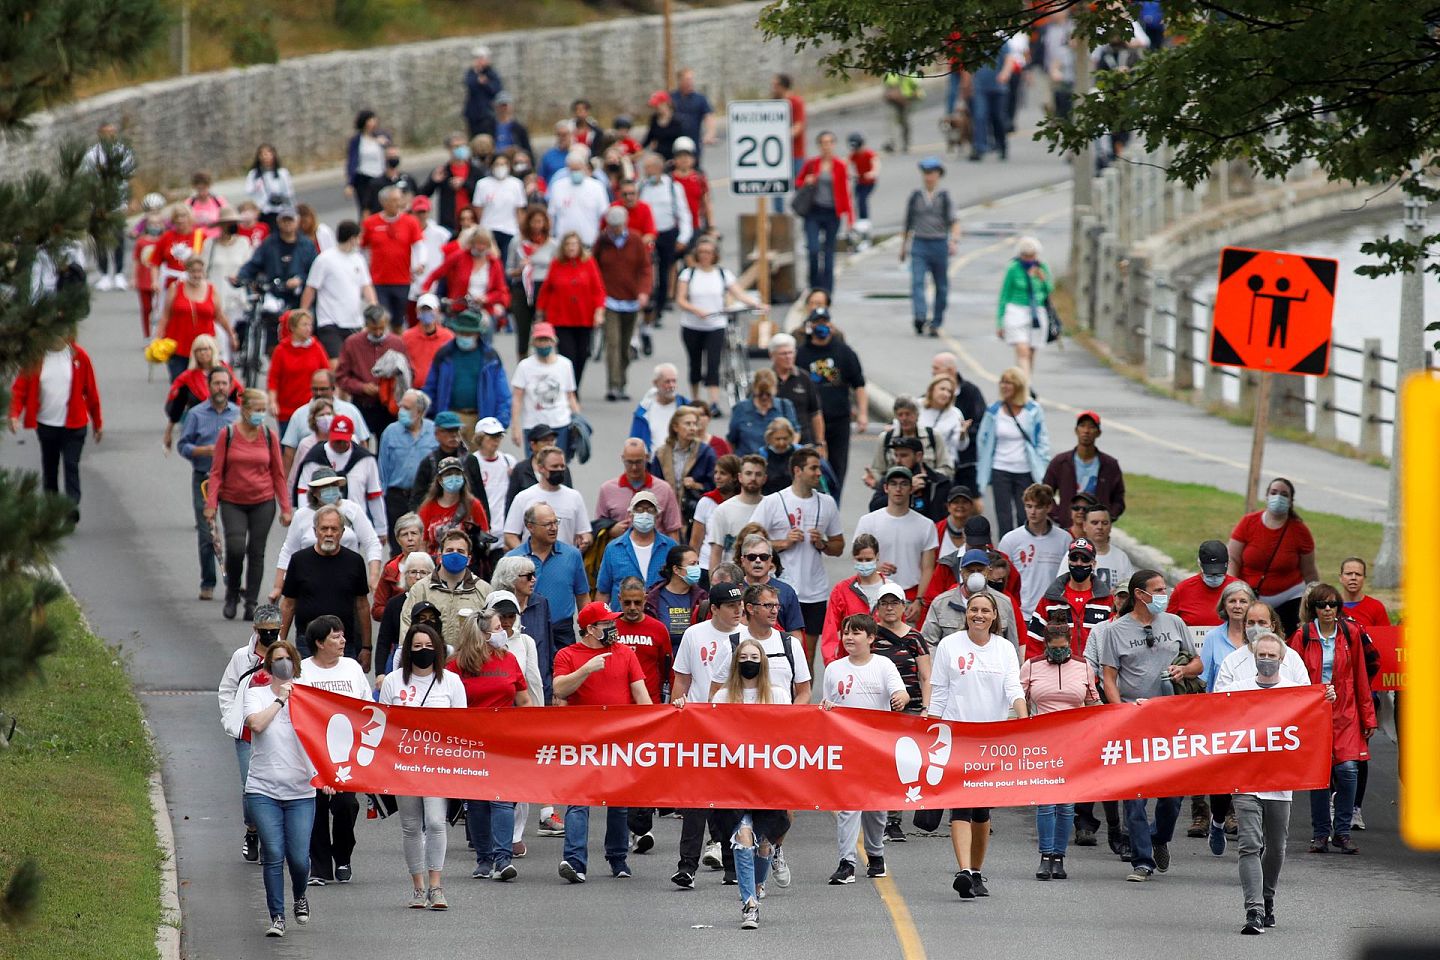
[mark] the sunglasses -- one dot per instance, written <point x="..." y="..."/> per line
<point x="527" y="576"/>
<point x="757" y="557"/>
<point x="1326" y="604"/>
<point x="1149" y="637"/>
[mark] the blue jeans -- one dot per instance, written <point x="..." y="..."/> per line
<point x="1343" y="777"/>
<point x="203" y="540"/>
<point x="862" y="199"/>
<point x="1143" y="836"/>
<point x="492" y="828"/>
<point x="284" y="835"/>
<point x="988" y="112"/>
<point x="750" y="867"/>
<point x="577" y="836"/>
<point x="929" y="255"/>
<point x="822" y="253"/>
<point x="1053" y="822"/>
<point x="242" y="759"/>
<point x="952" y="92"/>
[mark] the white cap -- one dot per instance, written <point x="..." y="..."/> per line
<point x="480" y="51"/>
<point x="683" y="145"/>
<point x="890" y="590"/>
<point x="428" y="300"/>
<point x="488" y="426"/>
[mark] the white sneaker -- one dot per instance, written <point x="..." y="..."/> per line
<point x="711" y="857"/>
<point x="120" y="282"/>
<point x="1357" y="822"/>
<point x="779" y="869"/>
<point x="106" y="283"/>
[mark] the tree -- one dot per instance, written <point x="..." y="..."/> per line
<point x="44" y="46"/>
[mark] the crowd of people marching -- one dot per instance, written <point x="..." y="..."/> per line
<point x="426" y="565"/>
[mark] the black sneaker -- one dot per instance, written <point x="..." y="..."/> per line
<point x="729" y="879"/>
<point x="1254" y="923"/>
<point x="1118" y="844"/>
<point x="1162" y="856"/>
<point x="483" y="871"/>
<point x="876" y="868"/>
<point x="506" y="873"/>
<point x="1269" y="920"/>
<point x="683" y="879"/>
<point x="1085" y="838"/>
<point x="647" y="346"/>
<point x="977" y="880"/>
<point x="620" y="870"/>
<point x="302" y="910"/>
<point x="845" y="873"/>
<point x="250" y="847"/>
<point x="232" y="606"/>
<point x="644" y="843"/>
<point x="894" y="832"/>
<point x="964" y="885"/>
<point x="343" y="873"/>
<point x="919" y="324"/>
<point x="277" y="927"/>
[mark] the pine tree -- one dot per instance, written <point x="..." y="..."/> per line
<point x="44" y="46"/>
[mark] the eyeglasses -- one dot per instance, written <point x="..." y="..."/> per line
<point x="767" y="606"/>
<point x="545" y="523"/>
<point x="757" y="557"/>
<point x="1149" y="637"/>
<point x="1326" y="604"/>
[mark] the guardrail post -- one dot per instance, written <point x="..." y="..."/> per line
<point x="1086" y="264"/>
<point x="1103" y="312"/>
<point x="1370" y="394"/>
<point x="1130" y="327"/>
<point x="1184" y="297"/>
<point x="1160" y="327"/>
<point x="1124" y="223"/>
<point x="1325" y="408"/>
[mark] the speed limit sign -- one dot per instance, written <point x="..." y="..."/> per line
<point x="759" y="134"/>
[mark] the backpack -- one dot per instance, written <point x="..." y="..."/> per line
<point x="787" y="651"/>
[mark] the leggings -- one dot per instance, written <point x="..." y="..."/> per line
<point x="522" y="311"/>
<point x="706" y="344"/>
<point x="423" y="832"/>
<point x="573" y="343"/>
<point x="247" y="526"/>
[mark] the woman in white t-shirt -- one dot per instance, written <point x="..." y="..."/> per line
<point x="975" y="678"/>
<point x="421" y="680"/>
<point x="543" y="390"/>
<point x="939" y="413"/>
<point x="277" y="789"/>
<point x="756" y="832"/>
<point x="700" y="293"/>
<point x="861" y="680"/>
<point x="500" y="198"/>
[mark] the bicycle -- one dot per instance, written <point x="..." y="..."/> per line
<point x="264" y="302"/>
<point x="735" y="355"/>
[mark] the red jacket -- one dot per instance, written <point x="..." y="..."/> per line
<point x="456" y="269"/>
<point x="571" y="294"/>
<point x="845" y="599"/>
<point x="83" y="406"/>
<point x="840" y="176"/>
<point x="1353" y="709"/>
<point x="290" y="371"/>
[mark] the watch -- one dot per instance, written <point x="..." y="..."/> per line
<point x="280" y="701"/>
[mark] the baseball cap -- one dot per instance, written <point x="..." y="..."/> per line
<point x="1214" y="558"/>
<point x="324" y="477"/>
<point x="427" y="300"/>
<point x="1081" y="546"/>
<point x="284" y="212"/>
<point x="504" y="96"/>
<point x="890" y="590"/>
<point x="342" y="428"/>
<point x="489" y="427"/>
<point x="502" y="601"/>
<point x="539" y="432"/>
<point x="975" y="556"/>
<point x="449" y="465"/>
<point x="658" y="97"/>
<point x="1087" y="415"/>
<point x="447" y="420"/>
<point x="683" y="145"/>
<point x="932" y="163"/>
<point x="595" y="612"/>
<point x="1082" y="497"/>
<point x="898" y="473"/>
<point x="644" y="496"/>
<point x="959" y="492"/>
<point x="977" y="532"/>
<point x="542" y="330"/>
<point x="818" y="315"/>
<point x="420" y="205"/>
<point x="906" y="443"/>
<point x="726" y="593"/>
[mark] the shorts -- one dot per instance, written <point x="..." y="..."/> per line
<point x="970" y="814"/>
<point x="332" y="339"/>
<point x="814" y="616"/>
<point x="1020" y="328"/>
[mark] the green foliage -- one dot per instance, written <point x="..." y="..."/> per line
<point x="46" y="44"/>
<point x="253" y="42"/>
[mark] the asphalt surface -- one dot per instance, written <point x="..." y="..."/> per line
<point x="132" y="565"/>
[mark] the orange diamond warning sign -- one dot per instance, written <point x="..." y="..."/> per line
<point x="1274" y="311"/>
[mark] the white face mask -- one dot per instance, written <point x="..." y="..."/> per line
<point x="975" y="582"/>
<point x="500" y="171"/>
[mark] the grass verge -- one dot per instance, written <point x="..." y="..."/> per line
<point x="74" y="794"/>
<point x="1175" y="517"/>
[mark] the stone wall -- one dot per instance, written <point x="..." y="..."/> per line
<point x="306" y="106"/>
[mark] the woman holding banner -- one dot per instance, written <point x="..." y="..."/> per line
<point x="975" y="678"/>
<point x="421" y="680"/>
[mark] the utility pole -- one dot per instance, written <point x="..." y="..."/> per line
<point x="1409" y="359"/>
<point x="669" y="46"/>
<point x="1081" y="194"/>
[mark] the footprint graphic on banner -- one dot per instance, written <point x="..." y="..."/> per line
<point x="909" y="758"/>
<point x="340" y="738"/>
<point x="370" y="736"/>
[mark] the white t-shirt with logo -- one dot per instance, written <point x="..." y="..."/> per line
<point x="780" y="673"/>
<point x="345" y="678"/>
<point x="339" y="277"/>
<point x="422" y="691"/>
<point x="804" y="564"/>
<point x="973" y="683"/>
<point x="1037" y="558"/>
<point x="902" y="542"/>
<point x="704" y="650"/>
<point x="500" y="201"/>
<point x="547" y="387"/>
<point x="724" y="525"/>
<point x="867" y="686"/>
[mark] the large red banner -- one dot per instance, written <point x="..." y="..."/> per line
<point x="802" y="757"/>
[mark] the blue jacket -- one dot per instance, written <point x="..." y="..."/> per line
<point x="401" y="452"/>
<point x="640" y="427"/>
<point x="619" y="561"/>
<point x="268" y="262"/>
<point x="492" y="388"/>
<point x="1037" y="441"/>
<point x="747" y="425"/>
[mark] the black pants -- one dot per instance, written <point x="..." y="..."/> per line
<point x="377" y="417"/>
<point x="665" y="257"/>
<point x="247" y="526"/>
<point x="332" y="838"/>
<point x="1085" y="817"/>
<point x="1009" y="500"/>
<point x="502" y="242"/>
<point x="397" y="504"/>
<point x="56" y="444"/>
<point x="110" y="257"/>
<point x="395" y="298"/>
<point x="692" y="838"/>
<point x="574" y="344"/>
<point x="522" y="311"/>
<point x="1220" y="806"/>
<point x="837" y="445"/>
<point x="702" y="350"/>
<point x="360" y="186"/>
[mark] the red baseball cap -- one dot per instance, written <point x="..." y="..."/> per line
<point x="420" y="205"/>
<point x="595" y="612"/>
<point x="1087" y="414"/>
<point x="342" y="428"/>
<point x="542" y="330"/>
<point x="658" y="97"/>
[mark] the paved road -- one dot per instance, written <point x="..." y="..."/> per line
<point x="132" y="566"/>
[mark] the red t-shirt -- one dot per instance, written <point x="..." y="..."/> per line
<point x="797" y="116"/>
<point x="642" y="218"/>
<point x="146" y="259"/>
<point x="437" y="517"/>
<point x="190" y="318"/>
<point x="495" y="685"/>
<point x="863" y="160"/>
<point x="1369" y="611"/>
<point x="1196" y="603"/>
<point x="1270" y="561"/>
<point x="695" y="186"/>
<point x="609" y="687"/>
<point x="255" y="233"/>
<point x="389" y="242"/>
<point x="650" y="642"/>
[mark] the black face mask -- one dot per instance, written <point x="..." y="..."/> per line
<point x="392" y="162"/>
<point x="556" y="477"/>
<point x="229" y="229"/>
<point x="607" y="636"/>
<point x="267" y="636"/>
<point x="423" y="659"/>
<point x="749" y="669"/>
<point x="996" y="584"/>
<point x="1057" y="654"/>
<point x="1080" y="573"/>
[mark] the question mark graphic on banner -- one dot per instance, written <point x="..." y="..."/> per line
<point x="340" y="738"/>
<point x="908" y="757"/>
<point x="939" y="753"/>
<point x="370" y="736"/>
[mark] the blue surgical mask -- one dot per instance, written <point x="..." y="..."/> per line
<point x="643" y="522"/>
<point x="454" y="562"/>
<point x="461" y="153"/>
<point x="1212" y="580"/>
<point x="256" y="418"/>
<point x="544" y="351"/>
<point x="1278" y="503"/>
<point x="866" y="567"/>
<point x="576" y="176"/>
<point x="821" y="330"/>
<point x="1157" y="603"/>
<point x="466" y="343"/>
<point x="427" y="317"/>
<point x="453" y="483"/>
<point x="692" y="573"/>
<point x="329" y="495"/>
<point x="404" y="417"/>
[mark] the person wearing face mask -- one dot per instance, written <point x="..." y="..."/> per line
<point x="328" y="578"/>
<point x="577" y="200"/>
<point x="467" y="377"/>
<point x="225" y="252"/>
<point x="612" y="502"/>
<point x="1263" y="819"/>
<point x="450" y="505"/>
<point x="327" y="489"/>
<point x="674" y="600"/>
<point x="198" y="433"/>
<point x="572" y="514"/>
<point x="946" y="613"/>
<point x="1056" y="680"/>
<point x="358" y="359"/>
<point x="452" y="587"/>
<point x="391" y="176"/>
<point x="596" y="671"/>
<point x="544" y="389"/>
<point x="627" y="275"/>
<point x="1196" y="599"/>
<point x="403" y="445"/>
<point x="244" y="671"/>
<point x="246" y="486"/>
<point x="426" y="337"/>
<point x="1273" y="550"/>
<point x="414" y="567"/>
<point x="647" y="637"/>
<point x="1080" y="599"/>
<point x="500" y="198"/>
<point x="356" y="464"/>
<point x="840" y="378"/>
<point x="902" y="645"/>
<point x="1137" y="663"/>
<point x="638" y="553"/>
<point x="450" y="184"/>
<point x="852" y="595"/>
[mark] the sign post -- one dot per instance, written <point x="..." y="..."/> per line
<point x="1274" y="313"/>
<point x="760" y="166"/>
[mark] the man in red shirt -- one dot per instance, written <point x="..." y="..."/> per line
<point x="593" y="671"/>
<point x="1196" y="600"/>
<point x="642" y="218"/>
<point x="647" y="638"/>
<point x="391" y="236"/>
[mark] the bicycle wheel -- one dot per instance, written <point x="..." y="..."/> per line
<point x="250" y="359"/>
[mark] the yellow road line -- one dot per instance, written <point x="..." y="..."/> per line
<point x="911" y="946"/>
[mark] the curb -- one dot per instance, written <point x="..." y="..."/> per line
<point x="167" y="933"/>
